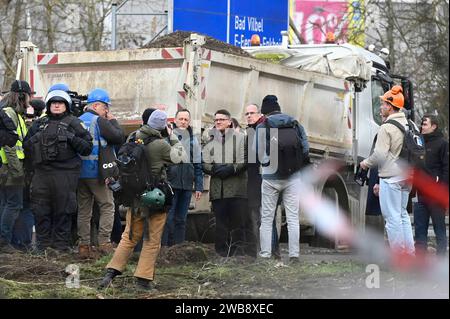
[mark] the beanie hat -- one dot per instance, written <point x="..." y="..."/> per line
<point x="270" y="105"/>
<point x="146" y="114"/>
<point x="38" y="105"/>
<point x="157" y="120"/>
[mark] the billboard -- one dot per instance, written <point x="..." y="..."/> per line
<point x="314" y="19"/>
<point x="233" y="21"/>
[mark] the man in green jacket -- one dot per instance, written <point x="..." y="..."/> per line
<point x="224" y="159"/>
<point x="159" y="154"/>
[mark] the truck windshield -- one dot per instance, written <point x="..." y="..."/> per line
<point x="377" y="91"/>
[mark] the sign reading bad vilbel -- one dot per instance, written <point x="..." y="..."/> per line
<point x="233" y="21"/>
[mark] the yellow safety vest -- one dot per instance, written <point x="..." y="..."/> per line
<point x="21" y="132"/>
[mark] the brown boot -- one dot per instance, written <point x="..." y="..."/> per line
<point x="105" y="248"/>
<point x="84" y="252"/>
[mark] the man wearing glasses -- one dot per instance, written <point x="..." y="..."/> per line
<point x="224" y="159"/>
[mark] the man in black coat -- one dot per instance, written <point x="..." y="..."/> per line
<point x="436" y="165"/>
<point x="253" y="117"/>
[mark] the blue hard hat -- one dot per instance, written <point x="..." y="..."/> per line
<point x="98" y="95"/>
<point x="59" y="87"/>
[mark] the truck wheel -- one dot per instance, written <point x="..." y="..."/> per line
<point x="319" y="240"/>
<point x="200" y="227"/>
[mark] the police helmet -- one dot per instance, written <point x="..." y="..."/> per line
<point x="59" y="87"/>
<point x="58" y="96"/>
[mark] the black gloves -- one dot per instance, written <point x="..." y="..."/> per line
<point x="223" y="170"/>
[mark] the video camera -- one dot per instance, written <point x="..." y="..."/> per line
<point x="361" y="176"/>
<point x="78" y="102"/>
<point x="115" y="186"/>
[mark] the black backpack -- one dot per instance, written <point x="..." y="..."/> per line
<point x="289" y="147"/>
<point x="413" y="148"/>
<point x="134" y="175"/>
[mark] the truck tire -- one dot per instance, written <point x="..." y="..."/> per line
<point x="319" y="240"/>
<point x="200" y="227"/>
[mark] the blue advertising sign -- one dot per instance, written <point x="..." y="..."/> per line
<point x="233" y="21"/>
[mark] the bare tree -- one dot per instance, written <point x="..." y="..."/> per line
<point x="93" y="15"/>
<point x="416" y="34"/>
<point x="10" y="27"/>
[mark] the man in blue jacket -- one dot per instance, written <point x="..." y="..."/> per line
<point x="183" y="178"/>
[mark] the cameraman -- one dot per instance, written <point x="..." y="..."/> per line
<point x="55" y="143"/>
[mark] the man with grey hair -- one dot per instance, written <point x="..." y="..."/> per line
<point x="106" y="132"/>
<point x="253" y="117"/>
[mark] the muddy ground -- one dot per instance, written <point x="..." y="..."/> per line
<point x="193" y="270"/>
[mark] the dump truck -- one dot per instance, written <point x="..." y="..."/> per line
<point x="333" y="90"/>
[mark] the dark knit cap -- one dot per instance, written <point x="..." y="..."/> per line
<point x="146" y="114"/>
<point x="270" y="105"/>
<point x="37" y="104"/>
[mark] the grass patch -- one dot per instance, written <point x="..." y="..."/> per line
<point x="215" y="278"/>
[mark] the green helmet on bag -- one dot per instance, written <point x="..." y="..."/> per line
<point x="153" y="199"/>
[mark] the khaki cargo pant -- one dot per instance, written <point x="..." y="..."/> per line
<point x="88" y="190"/>
<point x="150" y="248"/>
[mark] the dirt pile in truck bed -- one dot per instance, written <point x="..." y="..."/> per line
<point x="176" y="39"/>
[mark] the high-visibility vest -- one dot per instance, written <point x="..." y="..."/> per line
<point x="21" y="132"/>
<point x="89" y="164"/>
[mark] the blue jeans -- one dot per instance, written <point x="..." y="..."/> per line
<point x="393" y="202"/>
<point x="175" y="229"/>
<point x="422" y="214"/>
<point x="11" y="200"/>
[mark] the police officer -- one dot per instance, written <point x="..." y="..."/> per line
<point x="55" y="143"/>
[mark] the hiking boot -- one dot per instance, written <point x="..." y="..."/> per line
<point x="110" y="274"/>
<point x="294" y="260"/>
<point x="105" y="248"/>
<point x="84" y="252"/>
<point x="144" y="284"/>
